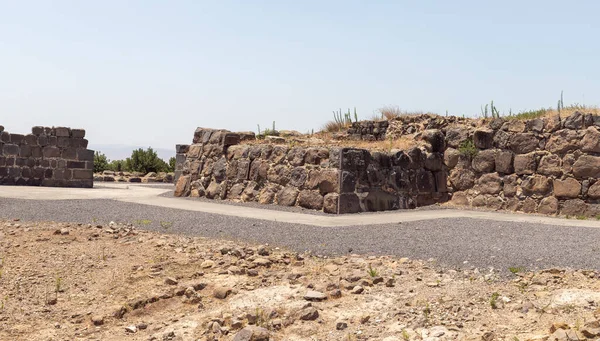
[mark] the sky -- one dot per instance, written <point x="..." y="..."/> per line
<point x="147" y="73"/>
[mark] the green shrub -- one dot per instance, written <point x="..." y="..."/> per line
<point x="100" y="162"/>
<point x="467" y="148"/>
<point x="118" y="166"/>
<point x="145" y="161"/>
<point x="530" y="114"/>
<point x="172" y="162"/>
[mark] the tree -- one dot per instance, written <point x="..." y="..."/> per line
<point x="172" y="162"/>
<point x="118" y="166"/>
<point x="145" y="161"/>
<point x="100" y="162"/>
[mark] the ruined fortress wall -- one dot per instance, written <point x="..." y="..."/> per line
<point x="543" y="165"/>
<point x="329" y="179"/>
<point x="54" y="157"/>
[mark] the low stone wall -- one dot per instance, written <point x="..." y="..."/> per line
<point x="133" y="177"/>
<point x="331" y="179"/>
<point x="54" y="157"/>
<point x="368" y="130"/>
<point x="544" y="165"/>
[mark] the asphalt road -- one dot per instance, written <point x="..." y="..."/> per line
<point x="452" y="242"/>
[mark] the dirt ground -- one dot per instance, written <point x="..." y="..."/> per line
<point x="115" y="282"/>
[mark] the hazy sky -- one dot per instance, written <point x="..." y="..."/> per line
<point x="148" y="72"/>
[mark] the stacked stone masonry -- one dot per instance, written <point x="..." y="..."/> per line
<point x="54" y="157"/>
<point x="545" y="165"/>
<point x="334" y="180"/>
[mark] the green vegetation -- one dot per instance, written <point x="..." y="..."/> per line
<point x="267" y="132"/>
<point x="100" y="162"/>
<point x="530" y="114"/>
<point x="340" y="121"/>
<point x="467" y="148"/>
<point x="581" y="217"/>
<point x="494" y="300"/>
<point x="372" y="272"/>
<point x="494" y="112"/>
<point x="145" y="161"/>
<point x="516" y="269"/>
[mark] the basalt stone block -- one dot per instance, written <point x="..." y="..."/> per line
<point x="550" y="165"/>
<point x="417" y="158"/>
<point x="78" y="133"/>
<point x="400" y="159"/>
<point x="63" y="142"/>
<point x="575" y="121"/>
<point x="37" y="130"/>
<point x="70" y="153"/>
<point x="10" y="149"/>
<point x="568" y="188"/>
<point x="315" y="156"/>
<point x="330" y="203"/>
<point x="230" y="139"/>
<point x="504" y="161"/>
<point x="5" y="137"/>
<point x="182" y="148"/>
<point x="74" y="164"/>
<point x="287" y="196"/>
<point x="1" y="128"/>
<point x="85" y="154"/>
<point x="243" y="170"/>
<point x="348" y="203"/>
<point x="14" y="172"/>
<point x="298" y="177"/>
<point x="485" y="161"/>
<point x="31" y="140"/>
<point x="16" y="138"/>
<point x="259" y="170"/>
<point x="82" y="174"/>
<point x="78" y="143"/>
<point x="483" y="138"/>
<point x="62" y="132"/>
<point x="52" y="140"/>
<point x="563" y="141"/>
<point x="436" y="140"/>
<point x="537" y="185"/>
<point x="525" y="164"/>
<point x="523" y="143"/>
<point x="25" y="151"/>
<point x="310" y="199"/>
<point x="425" y="181"/>
<point x="51" y="152"/>
<point x="378" y="200"/>
<point x="587" y="166"/>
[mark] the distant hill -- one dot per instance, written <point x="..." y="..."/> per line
<point x="121" y="152"/>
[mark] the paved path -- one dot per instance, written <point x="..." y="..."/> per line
<point x="145" y="195"/>
<point x="455" y="238"/>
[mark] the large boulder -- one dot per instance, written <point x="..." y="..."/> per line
<point x="573" y="207"/>
<point x="591" y="140"/>
<point x="485" y="161"/>
<point x="483" y="138"/>
<point x="548" y="205"/>
<point x="253" y="333"/>
<point x="550" y="165"/>
<point x="287" y="196"/>
<point x="456" y="135"/>
<point x="525" y="164"/>
<point x="435" y="138"/>
<point x="538" y="185"/>
<point x="587" y="166"/>
<point x="563" y="141"/>
<point x="594" y="191"/>
<point x="183" y="188"/>
<point x="279" y="174"/>
<point x="575" y="121"/>
<point x="434" y="162"/>
<point x="451" y="157"/>
<point x="462" y="179"/>
<point x="568" y="188"/>
<point x="504" y="161"/>
<point x="330" y="203"/>
<point x="489" y="183"/>
<point x="268" y="193"/>
<point x="522" y="143"/>
<point x="310" y="199"/>
<point x="325" y="180"/>
<point x="298" y="176"/>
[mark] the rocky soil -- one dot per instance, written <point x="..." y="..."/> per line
<point x="115" y="282"/>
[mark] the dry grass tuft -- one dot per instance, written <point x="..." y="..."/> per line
<point x="392" y="112"/>
<point x="334" y="126"/>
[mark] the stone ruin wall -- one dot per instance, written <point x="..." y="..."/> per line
<point x="544" y="165"/>
<point x="330" y="179"/>
<point x="53" y="157"/>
